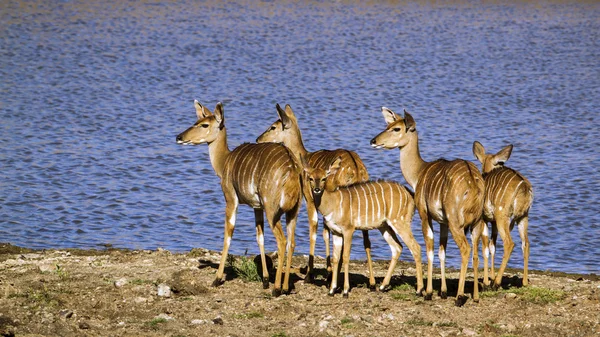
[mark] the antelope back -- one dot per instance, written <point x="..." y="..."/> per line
<point x="451" y="189"/>
<point x="368" y="204"/>
<point x="507" y="191"/>
<point x="263" y="175"/>
<point x="352" y="169"/>
<point x="365" y="205"/>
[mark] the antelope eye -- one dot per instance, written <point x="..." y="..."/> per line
<point x="272" y="127"/>
<point x="396" y="129"/>
<point x="311" y="179"/>
<point x="204" y="125"/>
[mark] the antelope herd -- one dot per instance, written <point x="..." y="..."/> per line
<point x="273" y="175"/>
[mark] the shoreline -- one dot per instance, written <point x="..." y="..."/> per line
<point x="75" y="292"/>
<point x="8" y="248"/>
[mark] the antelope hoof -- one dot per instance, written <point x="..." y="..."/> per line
<point x="372" y="287"/>
<point x="345" y="295"/>
<point x="428" y="296"/>
<point x="331" y="293"/>
<point x="309" y="278"/>
<point x="443" y="295"/>
<point x="461" y="300"/>
<point x="420" y="292"/>
<point x="265" y="283"/>
<point x="485" y="287"/>
<point x="217" y="282"/>
<point x="495" y="286"/>
<point x="276" y="292"/>
<point x="385" y="289"/>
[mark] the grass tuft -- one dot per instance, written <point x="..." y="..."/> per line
<point x="244" y="268"/>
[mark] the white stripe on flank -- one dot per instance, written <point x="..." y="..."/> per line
<point x="504" y="186"/>
<point x="358" y="202"/>
<point x="391" y="197"/>
<point x="378" y="196"/>
<point x="350" y="206"/>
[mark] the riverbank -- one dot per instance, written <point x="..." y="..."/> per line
<point x="158" y="293"/>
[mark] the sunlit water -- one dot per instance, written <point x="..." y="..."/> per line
<point x="92" y="96"/>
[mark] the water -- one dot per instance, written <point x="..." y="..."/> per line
<point x="93" y="95"/>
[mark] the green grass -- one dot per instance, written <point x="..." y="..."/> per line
<point x="38" y="298"/>
<point x="347" y="322"/>
<point x="250" y="315"/>
<point x="155" y="322"/>
<point x="139" y="282"/>
<point x="279" y="334"/>
<point x="244" y="268"/>
<point x="61" y="272"/>
<point x="531" y="294"/>
<point x="403" y="292"/>
<point x="419" y="322"/>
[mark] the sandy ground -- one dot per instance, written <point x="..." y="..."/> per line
<point x="157" y="293"/>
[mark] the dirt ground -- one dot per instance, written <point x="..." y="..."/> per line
<point x="157" y="293"/>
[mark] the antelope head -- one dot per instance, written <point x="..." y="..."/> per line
<point x="398" y="132"/>
<point x="283" y="130"/>
<point x="491" y="161"/>
<point x="207" y="127"/>
<point x="317" y="177"/>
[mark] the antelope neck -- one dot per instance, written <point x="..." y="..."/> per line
<point x="218" y="151"/>
<point x="411" y="162"/>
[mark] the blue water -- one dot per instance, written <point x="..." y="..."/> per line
<point x="93" y="95"/>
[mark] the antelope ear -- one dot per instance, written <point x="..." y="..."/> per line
<point x="304" y="163"/>
<point x="334" y="166"/>
<point x="479" y="151"/>
<point x="389" y="116"/>
<point x="201" y="111"/>
<point x="409" y="122"/>
<point x="502" y="156"/>
<point x="285" y="121"/>
<point x="219" y="116"/>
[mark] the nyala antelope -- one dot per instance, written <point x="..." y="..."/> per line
<point x="383" y="205"/>
<point x="262" y="176"/>
<point x="352" y="170"/>
<point x="449" y="192"/>
<point x="508" y="198"/>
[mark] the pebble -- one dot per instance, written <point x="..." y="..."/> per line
<point x="120" y="282"/>
<point x="140" y="300"/>
<point x="164" y="290"/>
<point x="199" y="321"/>
<point x="164" y="316"/>
<point x="218" y="321"/>
<point x="510" y="295"/>
<point x="65" y="313"/>
<point x="469" y="332"/>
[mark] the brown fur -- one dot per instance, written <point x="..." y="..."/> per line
<point x="286" y="131"/>
<point x="508" y="198"/>
<point x="449" y="192"/>
<point x="263" y="176"/>
<point x="384" y="205"/>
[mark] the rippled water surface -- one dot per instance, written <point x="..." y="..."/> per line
<point x="93" y="94"/>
